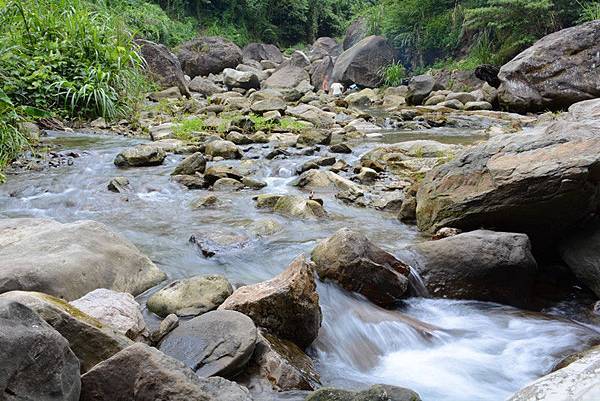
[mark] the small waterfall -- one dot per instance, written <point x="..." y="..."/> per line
<point x="416" y="286"/>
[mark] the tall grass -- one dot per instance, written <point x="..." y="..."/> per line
<point x="393" y="74"/>
<point x="589" y="11"/>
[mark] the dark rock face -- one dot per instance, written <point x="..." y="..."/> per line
<point x="581" y="252"/>
<point x="420" y="87"/>
<point x="261" y="51"/>
<point x="142" y="373"/>
<point x="539" y="183"/>
<point x="558" y="70"/>
<point x="325" y="46"/>
<point x="163" y="66"/>
<point x="488" y="73"/>
<point x="206" y="55"/>
<point x="321" y="72"/>
<point x="356" y="32"/>
<point x="362" y="62"/>
<point x="70" y="260"/>
<point x="215" y="343"/>
<point x="351" y="260"/>
<point x="480" y="265"/>
<point x="287" y="306"/>
<point x="36" y="362"/>
<point x="194" y="163"/>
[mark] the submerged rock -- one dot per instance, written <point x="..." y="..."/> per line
<point x="286" y="306"/>
<point x="118" y="184"/>
<point x="292" y="206"/>
<point x="194" y="163"/>
<point x="70" y="260"/>
<point x="217" y="343"/>
<point x="351" y="260"/>
<point x="190" y="297"/>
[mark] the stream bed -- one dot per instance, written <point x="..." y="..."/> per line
<point x="446" y="350"/>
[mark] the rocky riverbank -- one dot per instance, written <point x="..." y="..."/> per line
<point x="507" y="212"/>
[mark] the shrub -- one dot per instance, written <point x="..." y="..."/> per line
<point x="393" y="74"/>
<point x="589" y="11"/>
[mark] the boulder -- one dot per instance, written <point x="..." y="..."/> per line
<point x="321" y="72"/>
<point x="323" y="47"/>
<point x="362" y="62"/>
<point x="213" y="243"/>
<point x="140" y="156"/>
<point x="293" y="206"/>
<point x="118" y="184"/>
<point x="205" y="86"/>
<point x="558" y="70"/>
<point x="581" y="252"/>
<point x="287" y="306"/>
<point x="142" y="373"/>
<point x="378" y="392"/>
<point x="355" y="263"/>
<point x="162" y="66"/>
<point x="280" y="365"/>
<point x="312" y="114"/>
<point x="240" y="79"/>
<point x="190" y="297"/>
<point x="270" y="104"/>
<point x="527" y="182"/>
<point x="261" y="51"/>
<point x="170" y="93"/>
<point x="36" y="363"/>
<point x="69" y="260"/>
<point x="194" y="163"/>
<point x="224" y="149"/>
<point x="419" y="88"/>
<point x="480" y="265"/>
<point x="118" y="310"/>
<point x="356" y="32"/>
<point x="287" y="77"/>
<point x="206" y="55"/>
<point x="325" y="180"/>
<point x="217" y="343"/>
<point x="91" y="341"/>
<point x="578" y="381"/>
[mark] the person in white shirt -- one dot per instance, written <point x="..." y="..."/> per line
<point x="336" y="89"/>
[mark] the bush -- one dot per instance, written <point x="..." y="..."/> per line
<point x="70" y="57"/>
<point x="393" y="74"/>
<point x="590" y="11"/>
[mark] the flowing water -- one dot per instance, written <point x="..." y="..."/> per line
<point x="445" y="350"/>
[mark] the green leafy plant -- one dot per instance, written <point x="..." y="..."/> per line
<point x="590" y="11"/>
<point x="393" y="74"/>
<point x="187" y="127"/>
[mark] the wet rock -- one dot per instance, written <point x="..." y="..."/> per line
<point x="215" y="242"/>
<point x="238" y="138"/>
<point x="118" y="184"/>
<point x="378" y="392"/>
<point x="280" y="365"/>
<point x="37" y="363"/>
<point x="265" y="227"/>
<point x="140" y="156"/>
<point x="190" y="297"/>
<point x="85" y="256"/>
<point x="287" y="306"/>
<point x="163" y="66"/>
<point x="227" y="184"/>
<point x="168" y="324"/>
<point x="577" y="381"/>
<point x="351" y="260"/>
<point x="312" y="114"/>
<point x="520" y="183"/>
<point x="191" y="165"/>
<point x="91" y="341"/>
<point x="419" y="88"/>
<point x="314" y="137"/>
<point x="253" y="183"/>
<point x="224" y="149"/>
<point x="142" y="373"/>
<point x="190" y="181"/>
<point x="215" y="172"/>
<point x="581" y="252"/>
<point x="118" y="310"/>
<point x="217" y="343"/>
<point x="299" y="207"/>
<point x="558" y="70"/>
<point x="480" y="265"/>
<point x="240" y="79"/>
<point x="205" y="86"/>
<point x="206" y="201"/>
<point x="325" y="180"/>
<point x="340" y="148"/>
<point x="367" y="175"/>
<point x="206" y="55"/>
<point x="361" y="63"/>
<point x="260" y="52"/>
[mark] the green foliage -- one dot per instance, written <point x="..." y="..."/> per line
<point x="69" y="57"/>
<point x="393" y="74"/>
<point x="186" y="128"/>
<point x="590" y="11"/>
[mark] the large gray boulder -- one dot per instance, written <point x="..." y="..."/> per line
<point x="36" y="362"/>
<point x="261" y="51"/>
<point x="91" y="340"/>
<point x="206" y="55"/>
<point x="581" y="252"/>
<point x="558" y="70"/>
<point x="325" y="46"/>
<point x="420" y="87"/>
<point x="142" y="373"/>
<point x="287" y="305"/>
<point x="321" y="72"/>
<point x="480" y="265"/>
<point x="287" y="77"/>
<point x="218" y="343"/>
<point x="69" y="260"/>
<point x="142" y="155"/>
<point x="240" y="79"/>
<point x="578" y="381"/>
<point x="356" y="32"/>
<point x="351" y="260"/>
<point x="362" y="63"/>
<point x="541" y="183"/>
<point x="163" y="66"/>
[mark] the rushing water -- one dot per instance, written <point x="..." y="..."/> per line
<point x="445" y="350"/>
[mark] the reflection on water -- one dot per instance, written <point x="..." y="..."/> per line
<point x="445" y="350"/>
